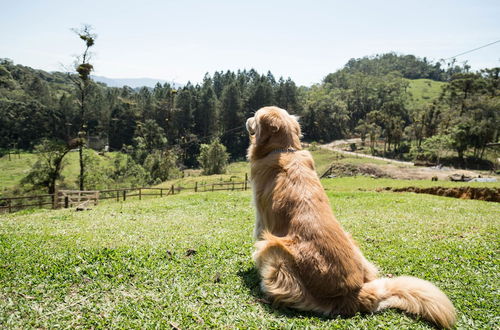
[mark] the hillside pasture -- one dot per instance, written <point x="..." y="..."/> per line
<point x="184" y="260"/>
<point x="12" y="171"/>
<point x="424" y="91"/>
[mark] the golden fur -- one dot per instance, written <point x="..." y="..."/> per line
<point x="305" y="259"/>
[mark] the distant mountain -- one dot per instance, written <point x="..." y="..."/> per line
<point x="133" y="82"/>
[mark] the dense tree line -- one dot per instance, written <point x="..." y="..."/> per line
<point x="409" y="66"/>
<point x="366" y="99"/>
<point x="369" y="98"/>
<point x="36" y="105"/>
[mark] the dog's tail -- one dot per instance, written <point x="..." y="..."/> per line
<point x="409" y="294"/>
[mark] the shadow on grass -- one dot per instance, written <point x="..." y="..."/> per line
<point x="251" y="280"/>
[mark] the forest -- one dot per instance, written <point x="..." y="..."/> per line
<point x="160" y="131"/>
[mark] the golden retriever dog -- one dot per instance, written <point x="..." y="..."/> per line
<point x="305" y="259"/>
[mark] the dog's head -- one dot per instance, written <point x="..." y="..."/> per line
<point x="272" y="128"/>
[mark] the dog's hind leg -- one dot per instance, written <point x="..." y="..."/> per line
<point x="370" y="270"/>
<point x="279" y="279"/>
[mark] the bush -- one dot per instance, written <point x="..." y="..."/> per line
<point x="313" y="146"/>
<point x="127" y="173"/>
<point x="162" y="165"/>
<point x="403" y="148"/>
<point x="432" y="149"/>
<point x="213" y="158"/>
<point x="95" y="176"/>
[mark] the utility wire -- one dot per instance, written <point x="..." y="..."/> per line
<point x="202" y="138"/>
<point x="473" y="50"/>
<point x="199" y="139"/>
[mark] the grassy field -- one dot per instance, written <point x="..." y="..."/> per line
<point x="424" y="91"/>
<point x="236" y="171"/>
<point x="12" y="171"/>
<point x="184" y="260"/>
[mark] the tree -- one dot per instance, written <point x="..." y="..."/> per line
<point x="82" y="83"/>
<point x="232" y="118"/>
<point x="470" y="116"/>
<point x="434" y="148"/>
<point x="96" y="176"/>
<point x="47" y="169"/>
<point x="153" y="135"/>
<point x="161" y="165"/>
<point x="326" y="115"/>
<point x="286" y="96"/>
<point x="362" y="129"/>
<point x="213" y="158"/>
<point x="127" y="173"/>
<point x="261" y="94"/>
<point x="205" y="114"/>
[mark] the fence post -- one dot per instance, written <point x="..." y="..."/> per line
<point x="140" y="193"/>
<point x="66" y="202"/>
<point x="246" y="180"/>
<point x="233" y="186"/>
<point x="172" y="189"/>
<point x="10" y="205"/>
<point x="196" y="186"/>
<point x="55" y="199"/>
<point x="117" y="196"/>
<point x="124" y="195"/>
<point x="212" y="187"/>
<point x="161" y="192"/>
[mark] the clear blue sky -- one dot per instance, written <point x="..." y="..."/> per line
<point x="306" y="40"/>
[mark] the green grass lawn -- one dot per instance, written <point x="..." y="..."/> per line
<point x="124" y="265"/>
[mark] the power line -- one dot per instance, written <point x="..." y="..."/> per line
<point x="472" y="50"/>
<point x="199" y="139"/>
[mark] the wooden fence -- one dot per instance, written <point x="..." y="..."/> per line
<point x="78" y="198"/>
<point x="13" y="204"/>
<point x="71" y="198"/>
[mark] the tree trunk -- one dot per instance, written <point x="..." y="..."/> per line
<point x="82" y="168"/>
<point x="461" y="155"/>
<point x="52" y="186"/>
<point x="482" y="151"/>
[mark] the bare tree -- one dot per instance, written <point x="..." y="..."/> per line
<point x="82" y="83"/>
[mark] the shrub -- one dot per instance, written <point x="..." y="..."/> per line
<point x="313" y="146"/>
<point x="127" y="173"/>
<point x="95" y="176"/>
<point x="432" y="149"/>
<point x="213" y="158"/>
<point x="162" y="165"/>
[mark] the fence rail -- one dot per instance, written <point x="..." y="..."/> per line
<point x="70" y="198"/>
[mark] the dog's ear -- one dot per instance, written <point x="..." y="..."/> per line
<point x="250" y="125"/>
<point x="267" y="126"/>
<point x="274" y="126"/>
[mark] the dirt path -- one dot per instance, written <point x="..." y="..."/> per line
<point x="334" y="145"/>
<point x="394" y="168"/>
